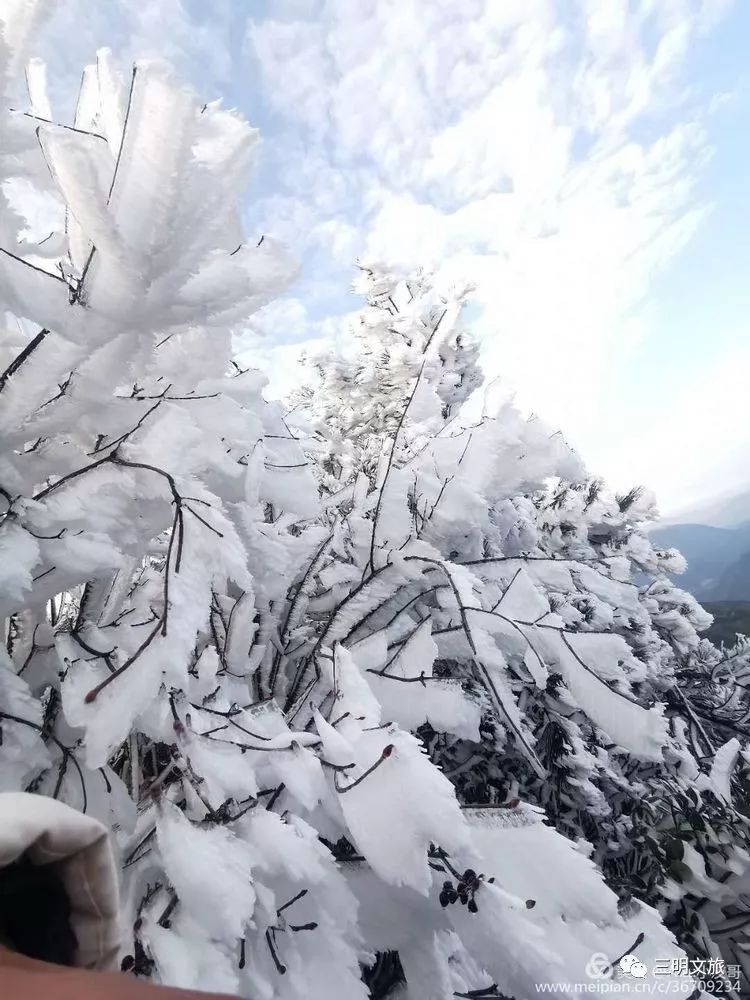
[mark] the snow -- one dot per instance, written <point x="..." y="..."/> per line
<point x="521" y="600"/>
<point x="417" y="655"/>
<point x="211" y="870"/>
<point x="619" y="594"/>
<point x="443" y="704"/>
<point x="21" y="753"/>
<point x="187" y="961"/>
<point x="297" y="642"/>
<point x="400" y="808"/>
<point x="724" y="762"/>
<point x="575" y="914"/>
<point x="19" y="555"/>
<point x="640" y="731"/>
<point x="352" y="688"/>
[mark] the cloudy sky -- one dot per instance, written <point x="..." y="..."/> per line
<point x="582" y="161"/>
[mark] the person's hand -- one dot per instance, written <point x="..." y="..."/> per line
<point x="26" y="979"/>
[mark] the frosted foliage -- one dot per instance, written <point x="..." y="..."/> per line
<point x="507" y="620"/>
<point x="721" y="770"/>
<point x="22" y="752"/>
<point x="574" y="913"/>
<point x="313" y="660"/>
<point x="407" y="326"/>
<point x="442" y="705"/>
<point x="637" y="729"/>
<point x="210" y="870"/>
<point x="406" y="805"/>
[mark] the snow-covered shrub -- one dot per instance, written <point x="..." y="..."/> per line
<point x="306" y="719"/>
<point x="543" y="599"/>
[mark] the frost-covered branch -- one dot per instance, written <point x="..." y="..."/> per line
<point x="301" y="666"/>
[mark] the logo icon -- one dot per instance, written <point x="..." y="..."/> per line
<point x="631" y="965"/>
<point x="598" y="966"/>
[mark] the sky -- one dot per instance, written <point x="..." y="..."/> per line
<point x="582" y="162"/>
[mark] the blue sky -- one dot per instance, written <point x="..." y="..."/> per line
<point x="583" y="161"/>
<point x="698" y="308"/>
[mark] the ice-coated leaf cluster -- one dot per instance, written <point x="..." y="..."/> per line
<point x="380" y="694"/>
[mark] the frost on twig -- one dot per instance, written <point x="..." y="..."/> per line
<point x="312" y="662"/>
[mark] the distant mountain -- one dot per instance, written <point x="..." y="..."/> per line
<point x="718" y="559"/>
<point x="730" y="619"/>
<point x="726" y="511"/>
<point x="714" y="538"/>
<point x="716" y="544"/>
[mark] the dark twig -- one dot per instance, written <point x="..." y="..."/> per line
<point x="24" y="355"/>
<point x="48" y="121"/>
<point x="387" y="751"/>
<point x="67" y="752"/>
<point x="281" y="969"/>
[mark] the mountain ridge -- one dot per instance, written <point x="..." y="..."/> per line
<point x="727" y="510"/>
<point x="718" y="555"/>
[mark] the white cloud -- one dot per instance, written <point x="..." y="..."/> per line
<point x="549" y="151"/>
<point x="551" y="158"/>
<point x="279" y="334"/>
<point x="195" y="37"/>
<point x="694" y="443"/>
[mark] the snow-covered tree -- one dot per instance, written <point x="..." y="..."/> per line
<point x="668" y="830"/>
<point x="307" y="722"/>
<point x="355" y="404"/>
<point x="714" y="685"/>
<point x="577" y="607"/>
<point x="140" y="555"/>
